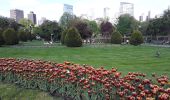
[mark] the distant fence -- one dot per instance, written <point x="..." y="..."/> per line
<point x="147" y="39"/>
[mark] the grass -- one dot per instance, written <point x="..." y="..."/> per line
<point x="12" y="92"/>
<point x="126" y="58"/>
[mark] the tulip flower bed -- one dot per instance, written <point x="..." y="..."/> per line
<point x="79" y="82"/>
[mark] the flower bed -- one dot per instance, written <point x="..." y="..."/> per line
<point x="83" y="82"/>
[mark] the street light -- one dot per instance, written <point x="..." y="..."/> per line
<point x="30" y="28"/>
<point x="52" y="37"/>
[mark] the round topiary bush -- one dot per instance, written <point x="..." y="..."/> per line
<point x="10" y="37"/>
<point x="73" y="38"/>
<point x="63" y="36"/>
<point x="136" y="38"/>
<point x="116" y="38"/>
<point x="1" y="38"/>
<point x="23" y="36"/>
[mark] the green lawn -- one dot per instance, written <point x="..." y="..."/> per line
<point x="11" y="92"/>
<point x="126" y="58"/>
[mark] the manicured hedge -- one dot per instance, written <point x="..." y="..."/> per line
<point x="10" y="36"/>
<point x="73" y="38"/>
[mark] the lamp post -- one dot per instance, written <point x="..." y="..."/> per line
<point x="30" y="28"/>
<point x="52" y="37"/>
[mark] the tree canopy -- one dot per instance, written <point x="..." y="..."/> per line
<point x="106" y="28"/>
<point x="84" y="29"/>
<point x="26" y="23"/>
<point x="126" y="24"/>
<point x="93" y="26"/>
<point x="159" y="26"/>
<point x="48" y="29"/>
<point x="8" y="23"/>
<point x="66" y="20"/>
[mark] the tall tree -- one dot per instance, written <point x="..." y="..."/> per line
<point x="143" y="27"/>
<point x="84" y="29"/>
<point x="159" y="26"/>
<point x="8" y="23"/>
<point x="50" y="29"/>
<point x="65" y="20"/>
<point x="106" y="28"/>
<point x="26" y="23"/>
<point x="93" y="26"/>
<point x="166" y="22"/>
<point x="126" y="24"/>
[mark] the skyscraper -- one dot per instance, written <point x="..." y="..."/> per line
<point x="106" y="13"/>
<point x="16" y="14"/>
<point x="68" y="9"/>
<point x="126" y="8"/>
<point x="141" y="18"/>
<point x="32" y="17"/>
<point x="148" y="17"/>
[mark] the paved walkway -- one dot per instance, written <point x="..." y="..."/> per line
<point x="154" y="45"/>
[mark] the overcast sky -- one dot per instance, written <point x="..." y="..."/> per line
<point x="53" y="9"/>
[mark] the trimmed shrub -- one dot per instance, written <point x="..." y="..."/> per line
<point x="1" y="38"/>
<point x="23" y="36"/>
<point x="136" y="38"/>
<point x="73" y="38"/>
<point x="116" y="38"/>
<point x="63" y="36"/>
<point x="10" y="36"/>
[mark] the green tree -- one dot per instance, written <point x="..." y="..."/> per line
<point x="166" y="22"/>
<point x="136" y="38"/>
<point x="23" y="36"/>
<point x="143" y="27"/>
<point x="8" y="23"/>
<point x="10" y="37"/>
<point x="66" y="20"/>
<point x="73" y="38"/>
<point x="93" y="26"/>
<point x="155" y="27"/>
<point x="63" y="36"/>
<point x="4" y="23"/>
<point x="126" y="24"/>
<point x="116" y="38"/>
<point x="50" y="29"/>
<point x="159" y="26"/>
<point x="84" y="29"/>
<point x="1" y="38"/>
<point x="106" y="28"/>
<point x="27" y="24"/>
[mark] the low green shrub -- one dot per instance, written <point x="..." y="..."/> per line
<point x="10" y="37"/>
<point x="136" y="38"/>
<point x="73" y="38"/>
<point x="116" y="38"/>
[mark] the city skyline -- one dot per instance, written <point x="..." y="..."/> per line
<point x="53" y="9"/>
<point x="16" y="14"/>
<point x="32" y="17"/>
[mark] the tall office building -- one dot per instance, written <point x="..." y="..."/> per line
<point x="148" y="17"/>
<point x="16" y="14"/>
<point x="126" y="8"/>
<point x="32" y="17"/>
<point x="68" y="9"/>
<point x="106" y="13"/>
<point x="141" y="18"/>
